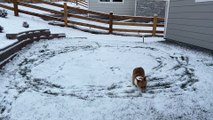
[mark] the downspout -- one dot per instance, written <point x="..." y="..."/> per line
<point x="135" y="7"/>
<point x="89" y="4"/>
<point x="166" y="17"/>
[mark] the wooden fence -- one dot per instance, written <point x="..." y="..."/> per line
<point x="110" y="20"/>
<point x="24" y="38"/>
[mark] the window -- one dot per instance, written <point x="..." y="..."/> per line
<point x="111" y="0"/>
<point x="117" y="0"/>
<point x="104" y="0"/>
<point x="202" y="0"/>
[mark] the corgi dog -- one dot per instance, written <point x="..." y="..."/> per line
<point x="139" y="78"/>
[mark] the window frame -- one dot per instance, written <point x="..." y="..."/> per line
<point x="110" y="1"/>
<point x="104" y="1"/>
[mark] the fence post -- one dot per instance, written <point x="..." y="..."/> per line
<point x="15" y="5"/>
<point x="65" y="14"/>
<point x="76" y="1"/>
<point x="155" y="22"/>
<point x="110" y="22"/>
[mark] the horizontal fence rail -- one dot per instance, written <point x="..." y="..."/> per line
<point x="24" y="38"/>
<point x="108" y="22"/>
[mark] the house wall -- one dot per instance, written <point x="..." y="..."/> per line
<point x="125" y="8"/>
<point x="191" y="22"/>
<point x="151" y="7"/>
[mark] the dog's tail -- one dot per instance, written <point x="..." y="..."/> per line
<point x="139" y="78"/>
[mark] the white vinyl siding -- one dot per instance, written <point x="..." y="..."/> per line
<point x="191" y="22"/>
<point x="126" y="7"/>
<point x="202" y="0"/>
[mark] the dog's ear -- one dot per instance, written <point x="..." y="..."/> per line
<point x="145" y="78"/>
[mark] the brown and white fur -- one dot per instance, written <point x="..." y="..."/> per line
<point x="139" y="78"/>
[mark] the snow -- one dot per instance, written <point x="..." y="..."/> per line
<point x="5" y="42"/>
<point x="88" y="76"/>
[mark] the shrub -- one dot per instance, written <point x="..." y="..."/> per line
<point x="1" y="29"/>
<point x="3" y="13"/>
<point x="25" y="24"/>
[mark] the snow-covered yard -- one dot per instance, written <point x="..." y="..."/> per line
<point x="88" y="76"/>
<point x="91" y="79"/>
